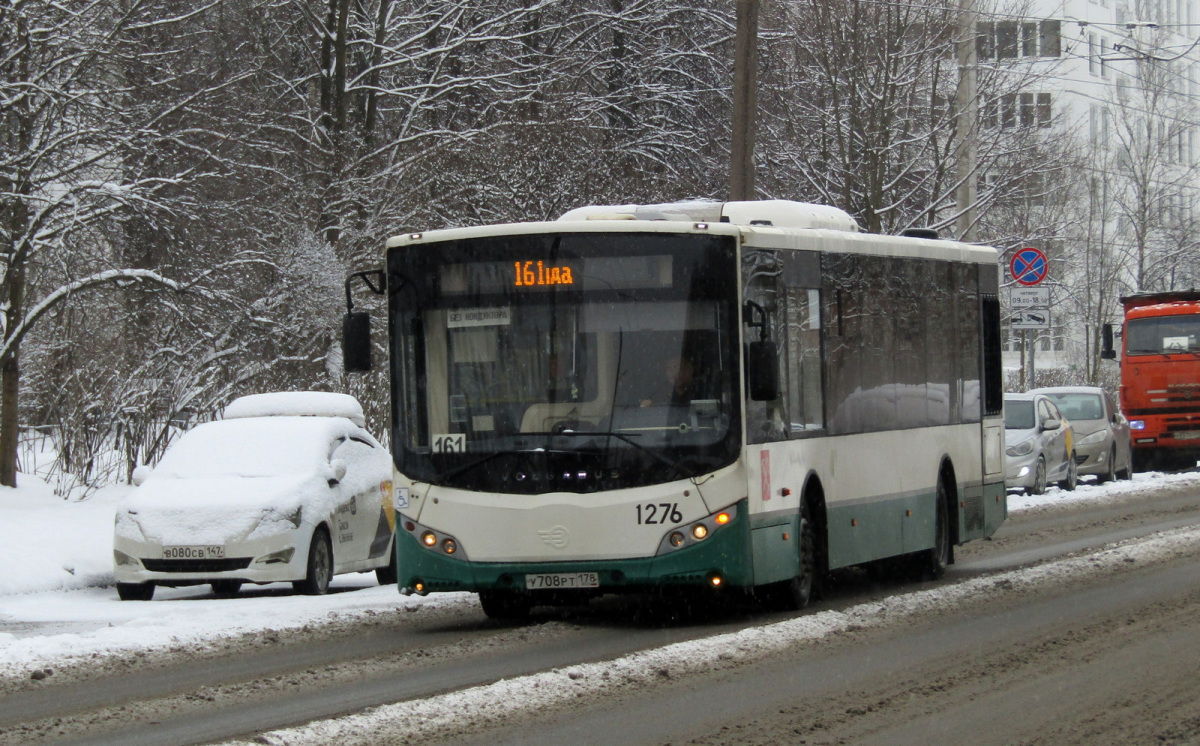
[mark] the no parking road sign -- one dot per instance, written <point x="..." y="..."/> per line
<point x="1028" y="266"/>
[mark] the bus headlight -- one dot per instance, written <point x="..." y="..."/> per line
<point x="432" y="540"/>
<point x="681" y="537"/>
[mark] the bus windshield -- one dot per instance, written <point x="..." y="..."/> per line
<point x="1162" y="335"/>
<point x="564" y="362"/>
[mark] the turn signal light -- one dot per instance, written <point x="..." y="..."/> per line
<point x="722" y="519"/>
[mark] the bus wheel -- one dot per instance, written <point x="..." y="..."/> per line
<point x="932" y="563"/>
<point x="505" y="604"/>
<point x="794" y="594"/>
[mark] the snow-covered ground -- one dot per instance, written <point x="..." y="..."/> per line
<point x="57" y="601"/>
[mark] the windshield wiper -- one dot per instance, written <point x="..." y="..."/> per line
<point x="673" y="465"/>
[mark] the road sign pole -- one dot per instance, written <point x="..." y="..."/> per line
<point x="1032" y="356"/>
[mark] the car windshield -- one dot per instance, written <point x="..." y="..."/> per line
<point x="1079" y="406"/>
<point x="256" y="447"/>
<point x="1018" y="414"/>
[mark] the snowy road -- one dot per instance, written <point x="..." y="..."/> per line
<point x="368" y="647"/>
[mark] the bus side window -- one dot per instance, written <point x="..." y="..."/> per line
<point x="803" y="390"/>
<point x="762" y="272"/>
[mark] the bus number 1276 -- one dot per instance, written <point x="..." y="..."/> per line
<point x="659" y="513"/>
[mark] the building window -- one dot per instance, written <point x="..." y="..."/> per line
<point x="1091" y="54"/>
<point x="1013" y="110"/>
<point x="1007" y="36"/>
<point x="1013" y="39"/>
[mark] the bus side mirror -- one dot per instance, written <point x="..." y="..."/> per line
<point x="356" y="342"/>
<point x="762" y="363"/>
<point x="1107" y="351"/>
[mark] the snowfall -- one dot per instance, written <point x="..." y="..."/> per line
<point x="58" y="604"/>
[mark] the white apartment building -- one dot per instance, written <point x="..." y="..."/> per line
<point x="1092" y="63"/>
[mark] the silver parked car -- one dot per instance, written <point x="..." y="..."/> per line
<point x="1039" y="444"/>
<point x="1102" y="445"/>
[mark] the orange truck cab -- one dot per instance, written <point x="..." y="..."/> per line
<point x="1160" y="377"/>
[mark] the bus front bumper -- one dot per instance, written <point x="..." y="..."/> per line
<point x="721" y="560"/>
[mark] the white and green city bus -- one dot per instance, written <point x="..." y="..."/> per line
<point x="840" y="402"/>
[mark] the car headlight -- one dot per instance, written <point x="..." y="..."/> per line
<point x="1096" y="437"/>
<point x="121" y="558"/>
<point x="273" y="515"/>
<point x="1021" y="449"/>
<point x="127" y="527"/>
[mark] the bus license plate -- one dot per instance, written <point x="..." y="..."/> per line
<point x="1188" y="435"/>
<point x="215" y="551"/>
<point x="553" y="580"/>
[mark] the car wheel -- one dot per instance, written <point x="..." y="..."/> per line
<point x="387" y="574"/>
<point x="320" y="566"/>
<point x="226" y="587"/>
<point x="135" y="591"/>
<point x="795" y="593"/>
<point x="1039" y="478"/>
<point x="505" y="604"/>
<point x="1127" y="472"/>
<point x="1072" y="479"/>
<point x="1110" y="473"/>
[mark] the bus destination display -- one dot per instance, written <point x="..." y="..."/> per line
<point x="577" y="273"/>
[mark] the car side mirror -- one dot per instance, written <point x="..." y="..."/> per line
<point x="139" y="475"/>
<point x="1051" y="424"/>
<point x="337" y="471"/>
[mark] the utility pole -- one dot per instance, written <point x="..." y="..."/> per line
<point x="967" y="115"/>
<point x="745" y="102"/>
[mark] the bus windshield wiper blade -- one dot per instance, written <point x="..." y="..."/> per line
<point x="673" y="465"/>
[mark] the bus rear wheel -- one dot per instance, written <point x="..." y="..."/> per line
<point x="508" y="605"/>
<point x="931" y="564"/>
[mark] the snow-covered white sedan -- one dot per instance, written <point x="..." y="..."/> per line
<point x="285" y="487"/>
